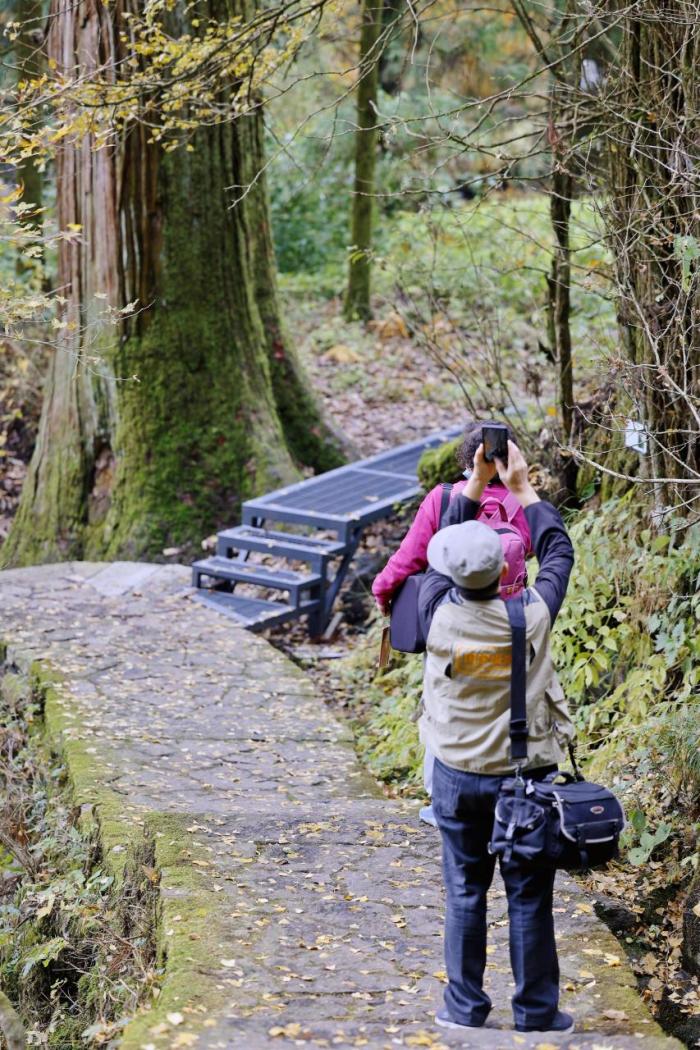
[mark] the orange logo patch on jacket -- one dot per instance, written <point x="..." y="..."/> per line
<point x="481" y="663"/>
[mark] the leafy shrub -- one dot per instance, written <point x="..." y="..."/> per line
<point x="383" y="707"/>
<point x="61" y="912"/>
<point x="310" y="216"/>
<point x="679" y="745"/>
<point x="626" y="642"/>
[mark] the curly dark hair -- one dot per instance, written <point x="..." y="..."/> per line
<point x="472" y="440"/>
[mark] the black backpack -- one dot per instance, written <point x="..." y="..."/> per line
<point x="562" y="821"/>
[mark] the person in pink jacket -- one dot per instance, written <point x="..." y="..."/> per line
<point x="411" y="557"/>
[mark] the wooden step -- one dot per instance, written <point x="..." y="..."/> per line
<point x="285" y="544"/>
<point x="234" y="571"/>
<point x="255" y="614"/>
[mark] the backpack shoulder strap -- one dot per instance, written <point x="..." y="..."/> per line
<point x="518" y="686"/>
<point x="511" y="505"/>
<point x="444" y="500"/>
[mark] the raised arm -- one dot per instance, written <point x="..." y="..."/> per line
<point x="550" y="539"/>
<point x="555" y="554"/>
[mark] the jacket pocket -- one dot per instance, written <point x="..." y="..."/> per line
<point x="558" y="713"/>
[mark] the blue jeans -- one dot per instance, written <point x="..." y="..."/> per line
<point x="464" y="805"/>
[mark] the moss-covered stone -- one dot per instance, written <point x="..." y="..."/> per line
<point x="439" y="465"/>
<point x="188" y="936"/>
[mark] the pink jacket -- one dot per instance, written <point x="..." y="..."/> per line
<point x="411" y="557"/>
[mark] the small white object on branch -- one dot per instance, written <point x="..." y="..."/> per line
<point x="636" y="437"/>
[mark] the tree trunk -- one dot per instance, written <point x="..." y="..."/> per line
<point x="357" y="300"/>
<point x="559" y="286"/>
<point x="29" y="60"/>
<point x="655" y="233"/>
<point x="155" y="428"/>
<point x="391" y="61"/>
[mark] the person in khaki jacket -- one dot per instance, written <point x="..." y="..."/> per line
<point x="465" y="723"/>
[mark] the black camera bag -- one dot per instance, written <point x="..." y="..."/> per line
<point x="562" y="821"/>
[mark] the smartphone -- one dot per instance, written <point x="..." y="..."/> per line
<point x="495" y="439"/>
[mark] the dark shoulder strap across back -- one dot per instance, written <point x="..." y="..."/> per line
<point x="444" y="500"/>
<point x="515" y="608"/>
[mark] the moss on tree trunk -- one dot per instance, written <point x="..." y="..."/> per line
<point x="155" y="428"/>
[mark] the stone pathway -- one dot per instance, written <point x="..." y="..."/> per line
<point x="299" y="906"/>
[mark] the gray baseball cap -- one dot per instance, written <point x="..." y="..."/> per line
<point x="470" y="554"/>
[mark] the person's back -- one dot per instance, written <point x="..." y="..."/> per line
<point x="465" y="724"/>
<point x="466" y="687"/>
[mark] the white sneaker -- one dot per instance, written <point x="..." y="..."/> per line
<point x="443" y="1019"/>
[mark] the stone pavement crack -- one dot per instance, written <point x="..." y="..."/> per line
<point x="298" y="905"/>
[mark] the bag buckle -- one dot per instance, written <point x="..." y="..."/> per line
<point x="518" y="738"/>
<point x="518" y="728"/>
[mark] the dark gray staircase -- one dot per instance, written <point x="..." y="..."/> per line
<point x="341" y="502"/>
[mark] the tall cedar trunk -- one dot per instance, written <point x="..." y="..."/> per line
<point x="653" y="213"/>
<point x="29" y="60"/>
<point x="357" y="300"/>
<point x="154" y="430"/>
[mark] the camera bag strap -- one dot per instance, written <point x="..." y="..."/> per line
<point x="515" y="607"/>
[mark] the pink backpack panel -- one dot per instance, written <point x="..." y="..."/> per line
<point x="499" y="514"/>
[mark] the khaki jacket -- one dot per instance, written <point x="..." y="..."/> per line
<point x="466" y="691"/>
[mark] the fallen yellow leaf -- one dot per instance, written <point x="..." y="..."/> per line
<point x="341" y="354"/>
